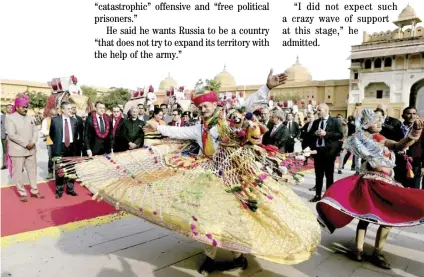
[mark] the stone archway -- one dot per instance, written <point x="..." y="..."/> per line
<point x="416" y="96"/>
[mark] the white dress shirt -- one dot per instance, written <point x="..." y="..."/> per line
<point x="323" y="128"/>
<point x="71" y="137"/>
<point x="289" y="127"/>
<point x="274" y="129"/>
<point x="44" y="130"/>
<point x="310" y="125"/>
<point x="98" y="122"/>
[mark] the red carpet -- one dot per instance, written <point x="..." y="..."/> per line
<point x="18" y="217"/>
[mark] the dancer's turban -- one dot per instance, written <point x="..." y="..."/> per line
<point x="202" y="97"/>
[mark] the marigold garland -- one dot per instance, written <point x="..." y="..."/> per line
<point x="96" y="126"/>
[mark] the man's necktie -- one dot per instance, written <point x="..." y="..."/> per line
<point x="310" y="126"/>
<point x="102" y="125"/>
<point x="321" y="126"/>
<point x="273" y="130"/>
<point x="67" y="137"/>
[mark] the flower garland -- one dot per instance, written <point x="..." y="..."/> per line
<point x="96" y="126"/>
<point x="116" y="124"/>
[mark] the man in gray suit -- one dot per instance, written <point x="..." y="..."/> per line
<point x="22" y="134"/>
<point x="3" y="140"/>
<point x="9" y="109"/>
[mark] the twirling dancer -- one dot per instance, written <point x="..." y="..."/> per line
<point x="373" y="196"/>
<point x="234" y="195"/>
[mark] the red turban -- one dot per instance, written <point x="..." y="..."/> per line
<point x="202" y="97"/>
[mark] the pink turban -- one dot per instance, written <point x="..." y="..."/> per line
<point x="22" y="100"/>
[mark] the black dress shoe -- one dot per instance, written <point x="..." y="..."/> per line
<point x="315" y="199"/>
<point x="240" y="262"/>
<point x="312" y="189"/>
<point x="73" y="193"/>
<point x="208" y="266"/>
<point x="58" y="196"/>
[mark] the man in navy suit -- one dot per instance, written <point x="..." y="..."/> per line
<point x="64" y="134"/>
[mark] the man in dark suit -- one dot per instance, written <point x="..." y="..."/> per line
<point x="64" y="134"/>
<point x="266" y="118"/>
<point x="116" y="123"/>
<point x="279" y="134"/>
<point x="97" y="132"/>
<point x="131" y="134"/>
<point x="142" y="115"/>
<point x="415" y="152"/>
<point x="80" y="140"/>
<point x="327" y="133"/>
<point x="391" y="128"/>
<point x="305" y="134"/>
<point x="294" y="131"/>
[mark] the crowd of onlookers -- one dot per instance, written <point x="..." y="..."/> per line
<point x="328" y="135"/>
<point x="68" y="134"/>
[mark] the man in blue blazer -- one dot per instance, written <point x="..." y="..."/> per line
<point x="64" y="134"/>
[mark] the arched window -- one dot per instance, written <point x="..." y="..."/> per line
<point x="368" y="64"/>
<point x="388" y="62"/>
<point x="377" y="63"/>
<point x="400" y="62"/>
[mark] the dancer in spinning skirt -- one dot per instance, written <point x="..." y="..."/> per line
<point x="373" y="196"/>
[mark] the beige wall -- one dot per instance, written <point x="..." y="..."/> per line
<point x="11" y="88"/>
<point x="338" y="90"/>
<point x="394" y="110"/>
<point x="313" y="90"/>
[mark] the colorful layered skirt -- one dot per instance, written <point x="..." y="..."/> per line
<point x="372" y="197"/>
<point x="214" y="201"/>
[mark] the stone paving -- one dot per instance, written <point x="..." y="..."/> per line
<point x="131" y="247"/>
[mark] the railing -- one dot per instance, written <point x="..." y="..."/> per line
<point x="385" y="44"/>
